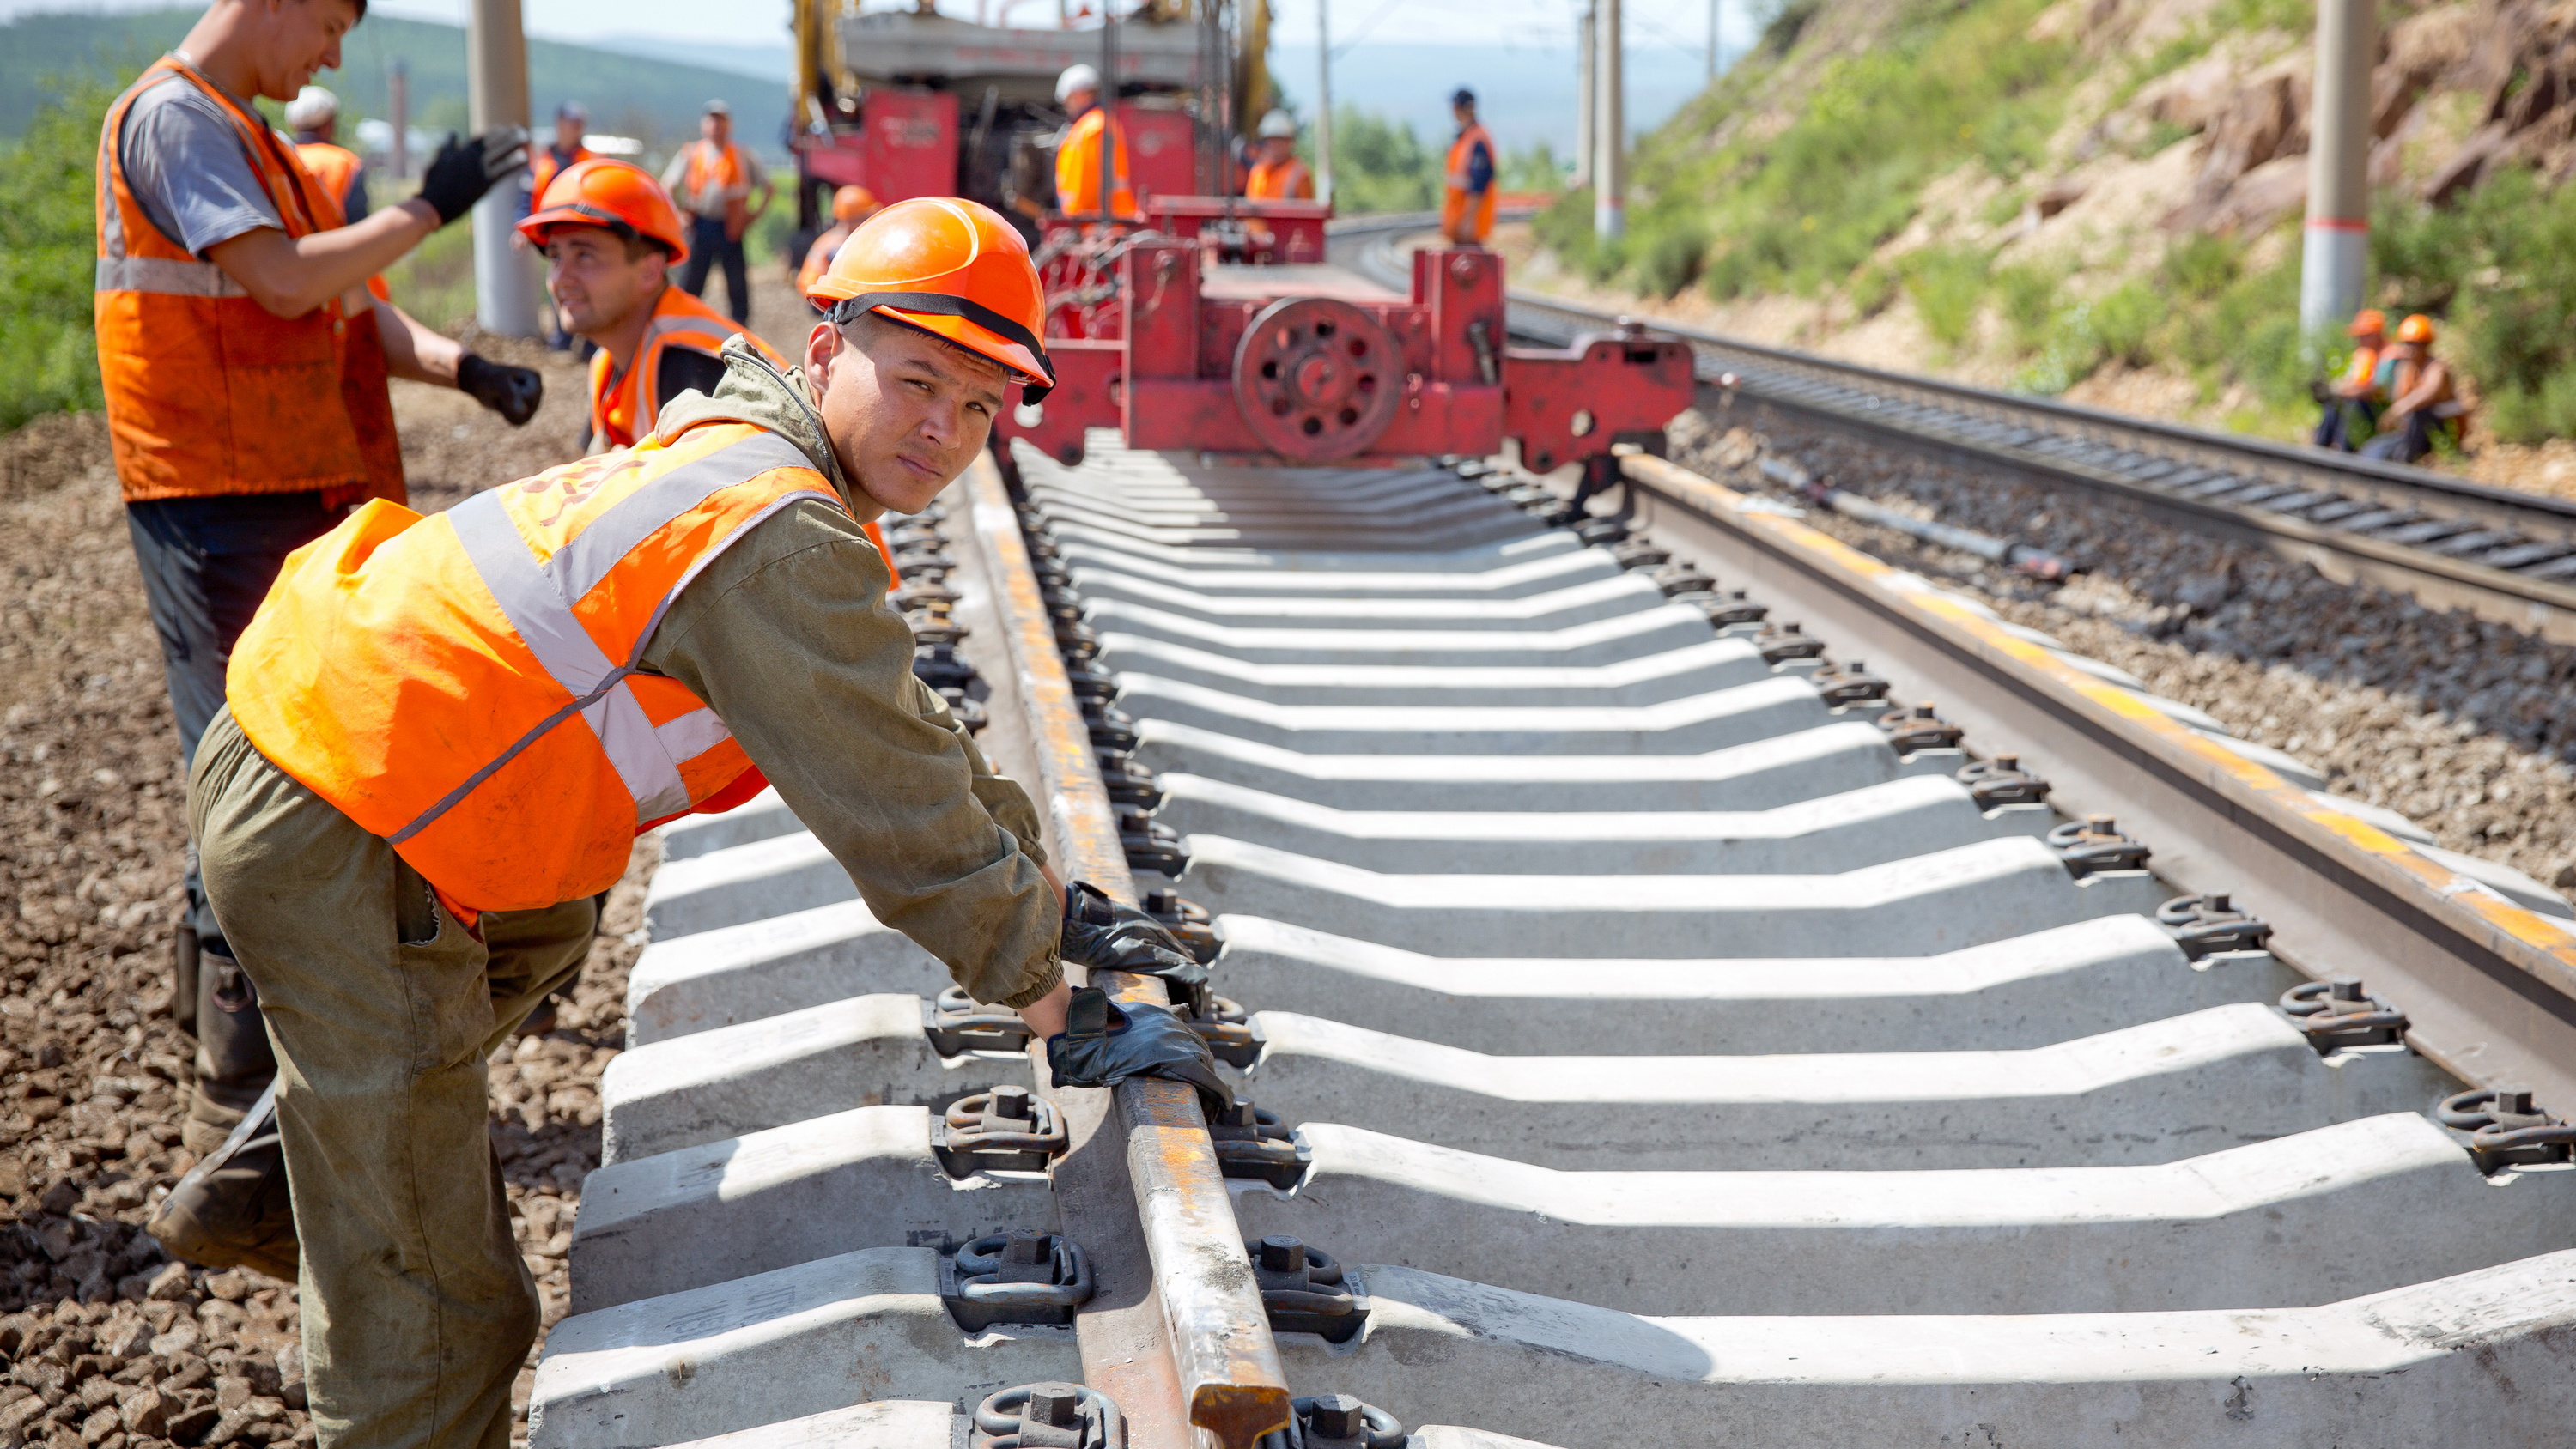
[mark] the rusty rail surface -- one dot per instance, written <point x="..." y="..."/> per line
<point x="2489" y="986"/>
<point x="1176" y="1334"/>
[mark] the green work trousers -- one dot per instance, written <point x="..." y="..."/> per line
<point x="418" y="1311"/>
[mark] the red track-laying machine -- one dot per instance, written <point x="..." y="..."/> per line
<point x="1160" y="335"/>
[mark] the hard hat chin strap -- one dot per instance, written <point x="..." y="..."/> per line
<point x="941" y="304"/>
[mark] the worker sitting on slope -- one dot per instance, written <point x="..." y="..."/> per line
<point x="850" y="206"/>
<point x="2424" y="397"/>
<point x="2352" y="401"/>
<point x="444" y="734"/>
<point x="1077" y="154"/>
<point x="611" y="237"/>
<point x="314" y="115"/>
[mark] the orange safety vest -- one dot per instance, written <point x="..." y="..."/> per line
<point x="1453" y="202"/>
<point x="1287" y="181"/>
<point x="333" y="166"/>
<point x="207" y="392"/>
<point x="720" y="166"/>
<point x="624" y="402"/>
<point x="1077" y="168"/>
<point x="464" y="686"/>
<point x="542" y="169"/>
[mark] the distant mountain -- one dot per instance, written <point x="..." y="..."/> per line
<point x="629" y="93"/>
<point x="774" y="61"/>
<point x="1525" y="94"/>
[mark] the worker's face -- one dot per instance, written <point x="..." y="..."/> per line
<point x="715" y="128"/>
<point x="596" y="286"/>
<point x="906" y="413"/>
<point x="1466" y="116"/>
<point x="1080" y="101"/>
<point x="1276" y="149"/>
<point x="302" y="38"/>
<point x="568" y="134"/>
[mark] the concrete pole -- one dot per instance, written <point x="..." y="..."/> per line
<point x="1324" y="101"/>
<point x="2333" y="266"/>
<point x="496" y="94"/>
<point x="1712" y="41"/>
<point x="398" y="101"/>
<point x="1609" y="130"/>
<point x="1585" y="33"/>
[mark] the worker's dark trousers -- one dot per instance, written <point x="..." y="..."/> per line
<point x="708" y="246"/>
<point x="207" y="563"/>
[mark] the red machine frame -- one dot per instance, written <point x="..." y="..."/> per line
<point x="1311" y="365"/>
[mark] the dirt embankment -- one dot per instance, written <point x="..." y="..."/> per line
<point x="108" y="1345"/>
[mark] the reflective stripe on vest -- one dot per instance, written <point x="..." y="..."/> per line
<point x="466" y="685"/>
<point x="624" y="406"/>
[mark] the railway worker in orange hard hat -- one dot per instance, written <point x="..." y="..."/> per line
<point x="850" y="206"/>
<point x="2351" y="403"/>
<point x="2424" y="396"/>
<point x="1467" y="195"/>
<point x="1077" y="153"/>
<point x="1277" y="174"/>
<point x="611" y="237"/>
<point x="244" y="368"/>
<point x="444" y="734"/>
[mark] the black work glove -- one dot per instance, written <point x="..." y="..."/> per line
<point x="1101" y="933"/>
<point x="513" y="392"/>
<point x="463" y="170"/>
<point x="1106" y="1042"/>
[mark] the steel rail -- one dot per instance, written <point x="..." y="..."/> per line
<point x="2490" y="986"/>
<point x="2450" y="543"/>
<point x="1175" y="1333"/>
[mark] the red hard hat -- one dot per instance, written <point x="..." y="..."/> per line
<point x="953" y="268"/>
<point x="618" y="195"/>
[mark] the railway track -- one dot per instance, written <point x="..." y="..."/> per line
<point x="2452" y="543"/>
<point x="1653" y="1025"/>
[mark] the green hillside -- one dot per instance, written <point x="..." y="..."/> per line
<point x="628" y="95"/>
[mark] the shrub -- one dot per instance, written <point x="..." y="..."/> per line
<point x="1381" y="165"/>
<point x="1670" y="254"/>
<point x="2027" y="296"/>
<point x="1947" y="284"/>
<point x="48" y="253"/>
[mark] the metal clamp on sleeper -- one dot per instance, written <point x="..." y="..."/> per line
<point x="2506" y="1128"/>
<point x="956" y="1024"/>
<point x="1304" y="1291"/>
<point x="1022" y="1276"/>
<point x="1336" y="1421"/>
<point x="1008" y="1129"/>
<point x="1048" y="1416"/>
<point x="1254" y="1143"/>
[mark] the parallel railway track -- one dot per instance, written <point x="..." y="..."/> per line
<point x="2506" y="556"/>
<point x="1652" y="1028"/>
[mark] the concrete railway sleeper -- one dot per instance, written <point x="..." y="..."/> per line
<point x="1650" y="1030"/>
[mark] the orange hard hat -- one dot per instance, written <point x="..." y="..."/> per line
<point x="952" y="268"/>
<point x="853" y="203"/>
<point x="618" y="195"/>
<point x="2366" y="321"/>
<point x="2418" y="328"/>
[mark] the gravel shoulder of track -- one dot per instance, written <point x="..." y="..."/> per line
<point x="2460" y="724"/>
<point x="106" y="1344"/>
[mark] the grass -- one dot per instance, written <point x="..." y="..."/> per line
<point x="48" y="348"/>
<point x="2498" y="269"/>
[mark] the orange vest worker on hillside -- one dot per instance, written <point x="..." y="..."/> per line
<point x="444" y="734"/>
<point x="611" y="236"/>
<point x="1077" y="155"/>
<point x="712" y="179"/>
<point x="244" y="366"/>
<point x="1467" y="197"/>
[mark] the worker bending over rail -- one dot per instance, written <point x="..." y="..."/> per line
<point x="611" y="237"/>
<point x="444" y="733"/>
<point x="244" y="366"/>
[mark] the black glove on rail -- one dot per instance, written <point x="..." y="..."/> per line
<point x="1099" y="932"/>
<point x="463" y="170"/>
<point x="1106" y="1042"/>
<point x="513" y="392"/>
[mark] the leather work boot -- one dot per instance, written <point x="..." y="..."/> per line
<point x="183" y="973"/>
<point x="234" y="1062"/>
<point x="232" y="1209"/>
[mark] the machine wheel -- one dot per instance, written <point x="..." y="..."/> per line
<point x="1318" y="379"/>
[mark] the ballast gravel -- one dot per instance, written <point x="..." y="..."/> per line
<point x="2463" y="725"/>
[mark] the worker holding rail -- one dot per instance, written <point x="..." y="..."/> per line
<point x="611" y="237"/>
<point x="244" y="366"/>
<point x="444" y="733"/>
<point x="1077" y="153"/>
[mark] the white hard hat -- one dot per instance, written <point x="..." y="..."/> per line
<point x="1279" y="123"/>
<point x="1076" y="78"/>
<point x="311" y="107"/>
